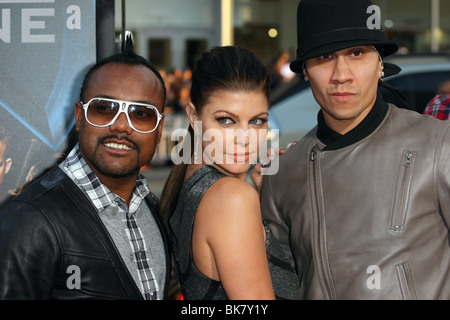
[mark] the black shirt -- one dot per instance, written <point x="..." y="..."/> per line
<point x="335" y="141"/>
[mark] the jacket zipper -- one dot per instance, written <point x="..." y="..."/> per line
<point x="406" y="281"/>
<point x="323" y="264"/>
<point x="400" y="208"/>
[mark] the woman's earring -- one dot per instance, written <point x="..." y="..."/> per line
<point x="382" y="74"/>
<point x="197" y="142"/>
<point x="196" y="137"/>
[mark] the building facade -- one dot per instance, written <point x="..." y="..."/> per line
<point x="171" y="33"/>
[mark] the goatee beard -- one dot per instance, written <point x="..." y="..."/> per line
<point x="116" y="175"/>
<point x="121" y="172"/>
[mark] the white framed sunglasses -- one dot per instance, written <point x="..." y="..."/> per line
<point x="103" y="112"/>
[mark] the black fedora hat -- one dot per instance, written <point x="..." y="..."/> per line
<point x="325" y="26"/>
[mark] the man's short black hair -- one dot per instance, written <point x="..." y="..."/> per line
<point x="127" y="56"/>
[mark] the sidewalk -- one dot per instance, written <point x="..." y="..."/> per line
<point x="156" y="178"/>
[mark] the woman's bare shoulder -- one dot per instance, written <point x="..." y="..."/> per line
<point x="230" y="200"/>
<point x="232" y="191"/>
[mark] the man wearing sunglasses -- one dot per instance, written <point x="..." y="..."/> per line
<point x="89" y="228"/>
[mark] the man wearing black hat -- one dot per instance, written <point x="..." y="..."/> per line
<point x="362" y="201"/>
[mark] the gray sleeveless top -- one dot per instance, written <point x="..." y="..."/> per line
<point x="194" y="284"/>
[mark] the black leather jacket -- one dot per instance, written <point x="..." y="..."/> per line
<point x="51" y="226"/>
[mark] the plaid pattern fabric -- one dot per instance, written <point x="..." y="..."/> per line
<point x="439" y="107"/>
<point x="102" y="197"/>
<point x="139" y="247"/>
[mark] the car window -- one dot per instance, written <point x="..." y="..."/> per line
<point x="418" y="88"/>
<point x="295" y="86"/>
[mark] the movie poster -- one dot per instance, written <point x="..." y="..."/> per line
<point x="46" y="47"/>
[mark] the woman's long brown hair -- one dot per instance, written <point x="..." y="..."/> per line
<point x="227" y="68"/>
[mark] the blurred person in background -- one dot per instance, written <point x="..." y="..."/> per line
<point x="444" y="88"/>
<point x="280" y="72"/>
<point x="178" y="86"/>
<point x="439" y="107"/>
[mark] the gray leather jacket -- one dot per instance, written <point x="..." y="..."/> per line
<point x="369" y="220"/>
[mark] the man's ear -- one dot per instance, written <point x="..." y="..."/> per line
<point x="160" y="130"/>
<point x="382" y="70"/>
<point x="8" y="165"/>
<point x="79" y="114"/>
<point x="191" y="113"/>
<point x="305" y="74"/>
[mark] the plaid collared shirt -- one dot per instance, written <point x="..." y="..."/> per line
<point x="439" y="107"/>
<point x="77" y="168"/>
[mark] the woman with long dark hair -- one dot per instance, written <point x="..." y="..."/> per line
<point x="222" y="247"/>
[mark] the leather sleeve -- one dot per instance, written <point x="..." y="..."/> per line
<point x="29" y="253"/>
<point x="272" y="215"/>
<point x="442" y="181"/>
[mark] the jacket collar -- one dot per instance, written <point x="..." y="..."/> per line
<point x="335" y="141"/>
<point x="79" y="171"/>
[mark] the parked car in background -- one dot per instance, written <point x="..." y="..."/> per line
<point x="293" y="109"/>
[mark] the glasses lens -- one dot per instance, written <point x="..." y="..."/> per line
<point x="100" y="112"/>
<point x="143" y="118"/>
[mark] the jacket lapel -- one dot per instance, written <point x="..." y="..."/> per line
<point x="87" y="209"/>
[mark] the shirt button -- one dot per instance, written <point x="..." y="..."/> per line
<point x="131" y="257"/>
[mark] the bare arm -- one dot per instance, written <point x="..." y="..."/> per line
<point x="229" y="240"/>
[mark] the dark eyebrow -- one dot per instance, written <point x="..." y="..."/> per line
<point x="228" y="112"/>
<point x="359" y="48"/>
<point x="237" y="117"/>
<point x="262" y="113"/>
<point x="104" y="96"/>
<point x="110" y="97"/>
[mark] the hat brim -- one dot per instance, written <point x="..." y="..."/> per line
<point x="388" y="48"/>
